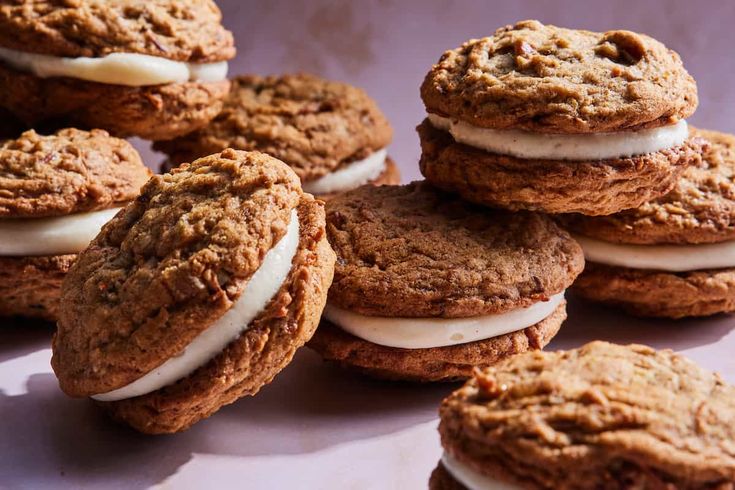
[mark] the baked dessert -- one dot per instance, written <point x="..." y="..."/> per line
<point x="196" y="294"/>
<point x="601" y="416"/>
<point x="673" y="256"/>
<point x="427" y="286"/>
<point x="331" y="134"/>
<point x="558" y="120"/>
<point x="56" y="192"/>
<point x="154" y="69"/>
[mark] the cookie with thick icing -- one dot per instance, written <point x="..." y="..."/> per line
<point x="558" y="120"/>
<point x="150" y="69"/>
<point x="673" y="256"/>
<point x="428" y="286"/>
<point x="196" y="294"/>
<point x="56" y="192"/>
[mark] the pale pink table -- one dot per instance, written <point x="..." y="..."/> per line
<point x="315" y="426"/>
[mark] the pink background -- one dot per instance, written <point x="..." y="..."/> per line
<point x="314" y="426"/>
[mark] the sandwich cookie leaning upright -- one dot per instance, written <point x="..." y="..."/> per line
<point x="558" y="120"/>
<point x="428" y="286"/>
<point x="331" y="134"/>
<point x="673" y="256"/>
<point x="154" y="69"/>
<point x="196" y="294"/>
<point x="56" y="192"/>
<point x="603" y="416"/>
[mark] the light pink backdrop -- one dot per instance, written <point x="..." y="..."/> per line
<point x="314" y="426"/>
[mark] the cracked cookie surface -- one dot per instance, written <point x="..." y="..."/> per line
<point x="544" y="78"/>
<point x="441" y="256"/>
<point x="70" y="171"/>
<point x="180" y="30"/>
<point x="601" y="416"/>
<point x="167" y="266"/>
<point x="312" y="124"/>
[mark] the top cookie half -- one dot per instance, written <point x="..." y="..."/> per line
<point x="180" y="30"/>
<point x="314" y="125"/>
<point x="543" y="78"/>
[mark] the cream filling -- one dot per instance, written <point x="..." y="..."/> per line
<point x="593" y="146"/>
<point x="673" y="258"/>
<point x="260" y="289"/>
<point x="471" y="478"/>
<point x="425" y="333"/>
<point x="51" y="236"/>
<point x="131" y="69"/>
<point x="352" y="176"/>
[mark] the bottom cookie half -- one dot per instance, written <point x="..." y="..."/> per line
<point x="30" y="286"/>
<point x="652" y="293"/>
<point x="451" y="363"/>
<point x="441" y="479"/>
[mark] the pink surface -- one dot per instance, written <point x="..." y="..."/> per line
<point x="314" y="426"/>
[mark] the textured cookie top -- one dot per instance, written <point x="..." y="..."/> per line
<point x="413" y="251"/>
<point x="312" y="124"/>
<point x="168" y="266"/>
<point x="549" y="79"/>
<point x="70" y="171"/>
<point x="700" y="208"/>
<point x="589" y="417"/>
<point x="181" y="30"/>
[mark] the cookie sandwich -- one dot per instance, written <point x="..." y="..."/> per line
<point x="56" y="192"/>
<point x="558" y="120"/>
<point x="154" y="69"/>
<point x="196" y="294"/>
<point x="331" y="134"/>
<point x="673" y="256"/>
<point x="428" y="286"/>
<point x="601" y="416"/>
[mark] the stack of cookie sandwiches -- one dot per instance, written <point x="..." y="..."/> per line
<point x="196" y="294"/>
<point x="428" y="286"/>
<point x="56" y="192"/>
<point x="332" y="134"/>
<point x="558" y="120"/>
<point x="155" y="69"/>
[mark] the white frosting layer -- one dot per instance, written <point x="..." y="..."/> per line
<point x="594" y="146"/>
<point x="263" y="285"/>
<point x="352" y="176"/>
<point x="51" y="236"/>
<point x="425" y="333"/>
<point x="673" y="258"/>
<point x="131" y="69"/>
<point x="471" y="478"/>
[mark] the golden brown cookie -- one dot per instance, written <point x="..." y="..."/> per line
<point x="601" y="416"/>
<point x="30" y="286"/>
<point x="173" y="32"/>
<point x="413" y="255"/>
<point x="315" y="125"/>
<point x="70" y="171"/>
<point x="683" y="232"/>
<point x="544" y="78"/>
<point x="56" y="191"/>
<point x="172" y="273"/>
<point x="558" y="120"/>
